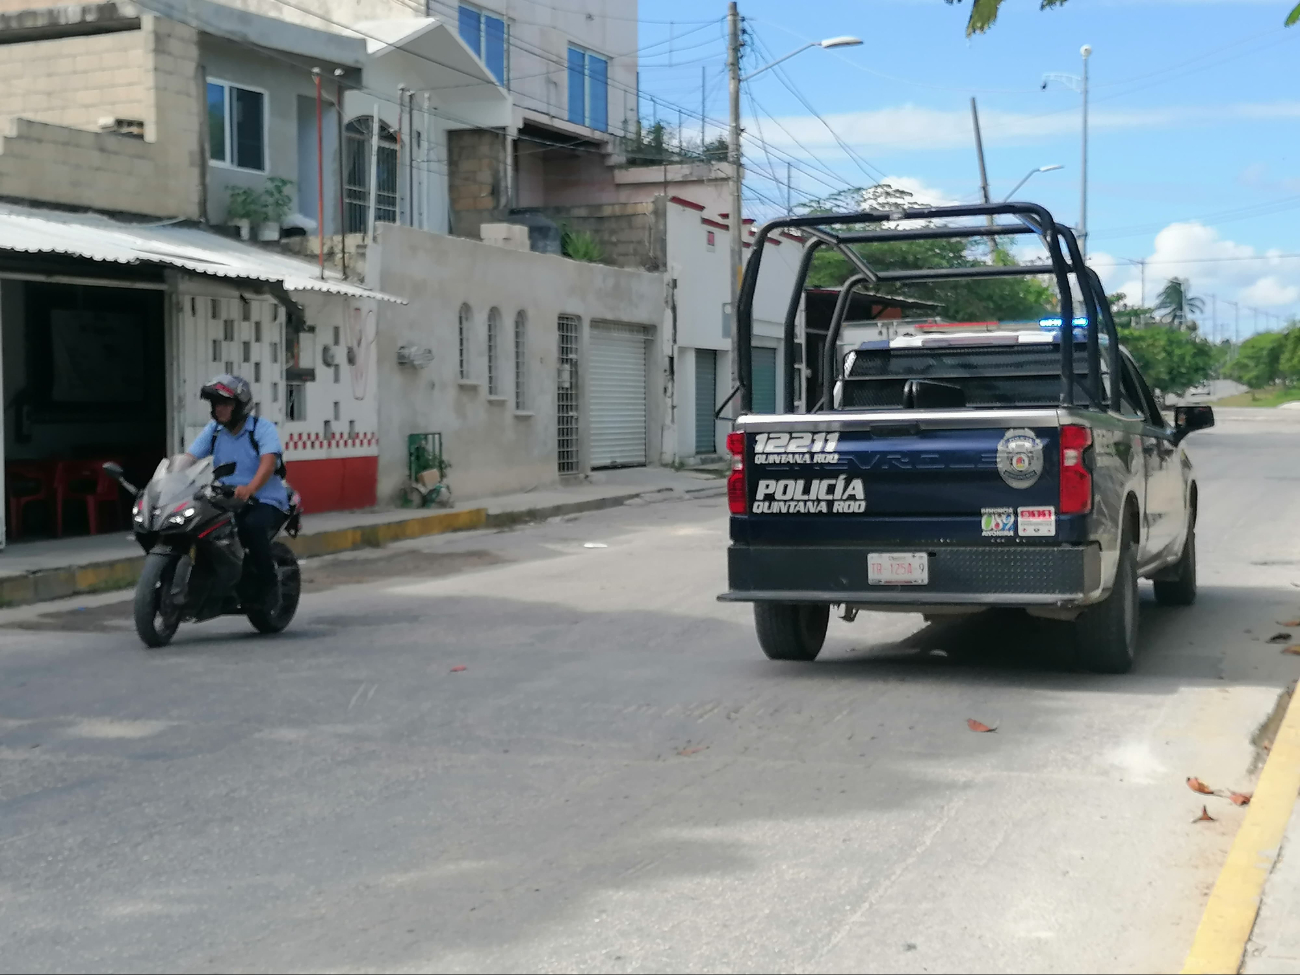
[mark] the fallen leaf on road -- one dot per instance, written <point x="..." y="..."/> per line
<point x="692" y="750"/>
<point x="1293" y="649"/>
<point x="1196" y="785"/>
<point x="1280" y="638"/>
<point x="1290" y="623"/>
<point x="458" y="668"/>
<point x="1205" y="817"/>
<point x="1240" y="798"/>
<point x="974" y="725"/>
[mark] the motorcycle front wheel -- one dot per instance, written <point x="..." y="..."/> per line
<point x="290" y="580"/>
<point x="156" y="619"/>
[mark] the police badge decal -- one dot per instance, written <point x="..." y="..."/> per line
<point x="1020" y="458"/>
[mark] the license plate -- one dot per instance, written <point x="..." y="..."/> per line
<point x="898" y="569"/>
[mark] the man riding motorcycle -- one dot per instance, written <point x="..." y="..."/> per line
<point x="252" y="444"/>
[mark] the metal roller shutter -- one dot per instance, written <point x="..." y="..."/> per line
<point x="706" y="389"/>
<point x="618" y="395"/>
<point x="764" y="365"/>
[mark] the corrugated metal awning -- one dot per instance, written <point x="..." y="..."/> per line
<point x="28" y="230"/>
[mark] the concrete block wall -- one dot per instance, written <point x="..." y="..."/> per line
<point x="632" y="235"/>
<point x="75" y="166"/>
<point x="477" y="179"/>
<point x="74" y="81"/>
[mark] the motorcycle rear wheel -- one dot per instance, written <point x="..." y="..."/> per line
<point x="290" y="580"/>
<point x="156" y="620"/>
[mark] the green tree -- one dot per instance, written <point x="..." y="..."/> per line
<point x="1289" y="358"/>
<point x="984" y="12"/>
<point x="989" y="299"/>
<point x="1127" y="316"/>
<point x="1176" y="303"/>
<point x="1172" y="361"/>
<point x="1258" y="360"/>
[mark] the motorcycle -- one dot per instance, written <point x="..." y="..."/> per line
<point x="184" y="519"/>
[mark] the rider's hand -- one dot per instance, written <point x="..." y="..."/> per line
<point x="243" y="492"/>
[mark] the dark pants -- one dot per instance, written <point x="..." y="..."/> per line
<point x="256" y="522"/>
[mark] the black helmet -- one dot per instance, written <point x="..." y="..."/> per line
<point x="234" y="389"/>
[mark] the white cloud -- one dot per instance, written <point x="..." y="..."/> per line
<point x="916" y="127"/>
<point x="1269" y="292"/>
<point x="922" y="194"/>
<point x="1225" y="269"/>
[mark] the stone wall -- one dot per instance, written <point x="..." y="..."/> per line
<point x="71" y="165"/>
<point x="478" y="179"/>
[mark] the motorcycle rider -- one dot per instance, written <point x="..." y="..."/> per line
<point x="252" y="443"/>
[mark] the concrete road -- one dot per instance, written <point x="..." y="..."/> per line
<point x="618" y="781"/>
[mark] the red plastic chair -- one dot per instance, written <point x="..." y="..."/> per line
<point x="85" y="481"/>
<point x="26" y="482"/>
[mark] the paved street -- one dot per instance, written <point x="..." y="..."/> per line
<point x="618" y="781"/>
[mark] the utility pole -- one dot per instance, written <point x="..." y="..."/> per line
<point x="1214" y="316"/>
<point x="1086" y="51"/>
<point x="704" y="81"/>
<point x="789" y="189"/>
<point x="984" y="175"/>
<point x="1143" y="265"/>
<point x="735" y="220"/>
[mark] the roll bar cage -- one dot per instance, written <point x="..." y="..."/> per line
<point x="1063" y="252"/>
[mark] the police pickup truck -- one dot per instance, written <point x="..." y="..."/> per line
<point x="954" y="470"/>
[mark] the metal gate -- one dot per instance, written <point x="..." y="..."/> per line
<point x="566" y="395"/>
<point x="617" y="381"/>
<point x="764" y="366"/>
<point x="706" y="390"/>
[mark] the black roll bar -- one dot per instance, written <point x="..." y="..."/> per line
<point x="830" y="367"/>
<point x="791" y="315"/>
<point x="1032" y="219"/>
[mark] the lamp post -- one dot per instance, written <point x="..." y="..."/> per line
<point x="734" y="218"/>
<point x="1079" y="84"/>
<point x="1033" y="172"/>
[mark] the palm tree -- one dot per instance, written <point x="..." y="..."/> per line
<point x="984" y="12"/>
<point x="1177" y="303"/>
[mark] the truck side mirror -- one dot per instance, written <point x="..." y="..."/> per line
<point x="1188" y="419"/>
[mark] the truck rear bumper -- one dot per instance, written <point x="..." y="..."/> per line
<point x="986" y="575"/>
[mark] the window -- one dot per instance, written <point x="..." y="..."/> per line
<point x="486" y="34"/>
<point x="463" y="327"/>
<point x="494" y="369"/>
<point x="356" y="186"/>
<point x="521" y="361"/>
<point x="588" y="89"/>
<point x="237" y="126"/>
<point x="295" y="402"/>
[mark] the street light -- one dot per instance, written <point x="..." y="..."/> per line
<point x="734" y="217"/>
<point x="1041" y="169"/>
<point x="1079" y="84"/>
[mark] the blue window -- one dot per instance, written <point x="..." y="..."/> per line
<point x="487" y="36"/>
<point x="588" y="89"/>
<point x="236" y="126"/>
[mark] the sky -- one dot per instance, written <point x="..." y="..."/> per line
<point x="1194" y="123"/>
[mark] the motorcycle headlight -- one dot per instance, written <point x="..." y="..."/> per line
<point x="180" y="517"/>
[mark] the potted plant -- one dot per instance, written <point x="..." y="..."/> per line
<point x="244" y="210"/>
<point x="276" y="203"/>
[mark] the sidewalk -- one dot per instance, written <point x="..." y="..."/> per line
<point x="36" y="571"/>
<point x="1249" y="920"/>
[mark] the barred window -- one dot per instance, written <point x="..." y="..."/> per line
<point x="521" y="361"/>
<point x="493" y="365"/>
<point x="466" y="322"/>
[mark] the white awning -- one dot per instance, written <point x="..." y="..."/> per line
<point x="28" y="230"/>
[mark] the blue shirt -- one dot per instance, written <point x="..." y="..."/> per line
<point x="239" y="449"/>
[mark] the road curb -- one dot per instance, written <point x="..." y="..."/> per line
<point x="46" y="584"/>
<point x="1229" y="917"/>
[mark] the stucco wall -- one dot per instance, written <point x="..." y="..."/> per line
<point x="492" y="447"/>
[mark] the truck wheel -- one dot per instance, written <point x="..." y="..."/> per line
<point x="791" y="631"/>
<point x="1106" y="634"/>
<point x="1178" y="588"/>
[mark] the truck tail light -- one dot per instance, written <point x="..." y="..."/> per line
<point x="736" y="500"/>
<point x="1076" y="479"/>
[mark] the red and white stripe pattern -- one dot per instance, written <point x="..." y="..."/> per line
<point x="314" y="445"/>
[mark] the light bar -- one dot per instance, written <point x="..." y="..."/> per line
<point x="1056" y="323"/>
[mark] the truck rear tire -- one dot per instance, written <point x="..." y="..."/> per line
<point x="791" y="631"/>
<point x="1106" y="634"/>
<point x="1179" y="588"/>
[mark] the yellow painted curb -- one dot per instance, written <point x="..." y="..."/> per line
<point x="376" y="536"/>
<point x="1234" y="902"/>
